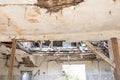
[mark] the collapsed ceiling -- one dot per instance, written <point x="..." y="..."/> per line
<point x="59" y="47"/>
<point x="56" y="5"/>
<point x="22" y="19"/>
<point x="91" y="20"/>
<point x="60" y="50"/>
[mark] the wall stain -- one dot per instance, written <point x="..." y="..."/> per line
<point x="3" y="28"/>
<point x="15" y="27"/>
<point x="33" y="20"/>
<point x="110" y="12"/>
<point x="31" y="14"/>
<point x="12" y="24"/>
<point x="36" y="29"/>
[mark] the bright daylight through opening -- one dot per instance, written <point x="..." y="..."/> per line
<point x="74" y="72"/>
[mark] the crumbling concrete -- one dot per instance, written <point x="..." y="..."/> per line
<point x="56" y="5"/>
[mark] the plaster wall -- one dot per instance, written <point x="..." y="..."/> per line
<point x="52" y="70"/>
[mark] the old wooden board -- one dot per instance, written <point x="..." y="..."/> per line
<point x="115" y="49"/>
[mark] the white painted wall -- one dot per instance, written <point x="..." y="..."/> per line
<point x="95" y="70"/>
<point x="98" y="19"/>
<point x="52" y="70"/>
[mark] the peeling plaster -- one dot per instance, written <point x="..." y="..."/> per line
<point x="57" y="5"/>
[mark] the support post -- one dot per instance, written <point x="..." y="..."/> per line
<point x="12" y="57"/>
<point x="115" y="50"/>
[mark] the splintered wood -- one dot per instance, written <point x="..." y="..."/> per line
<point x="56" y="5"/>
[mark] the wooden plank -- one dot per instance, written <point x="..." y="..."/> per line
<point x="110" y="51"/>
<point x="115" y="50"/>
<point x="12" y="57"/>
<point x="116" y="77"/>
<point x="100" y="54"/>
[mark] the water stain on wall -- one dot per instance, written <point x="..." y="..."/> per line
<point x="33" y="21"/>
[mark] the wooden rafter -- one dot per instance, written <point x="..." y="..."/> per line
<point x="100" y="54"/>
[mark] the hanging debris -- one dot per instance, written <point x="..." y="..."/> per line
<point x="56" y="5"/>
<point x="28" y="62"/>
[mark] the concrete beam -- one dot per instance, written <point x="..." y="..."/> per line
<point x="71" y="37"/>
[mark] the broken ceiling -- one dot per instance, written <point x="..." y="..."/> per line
<point x="98" y="19"/>
<point x="56" y="5"/>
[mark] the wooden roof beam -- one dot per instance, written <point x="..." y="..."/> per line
<point x="98" y="53"/>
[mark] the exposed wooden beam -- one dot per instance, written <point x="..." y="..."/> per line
<point x="12" y="57"/>
<point x="110" y="51"/>
<point x="100" y="54"/>
<point x="115" y="50"/>
<point x="115" y="74"/>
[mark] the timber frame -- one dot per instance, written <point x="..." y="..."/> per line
<point x="115" y="50"/>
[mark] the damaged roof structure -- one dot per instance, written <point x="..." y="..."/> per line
<point x="88" y="18"/>
<point x="33" y="32"/>
<point x="56" y="5"/>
